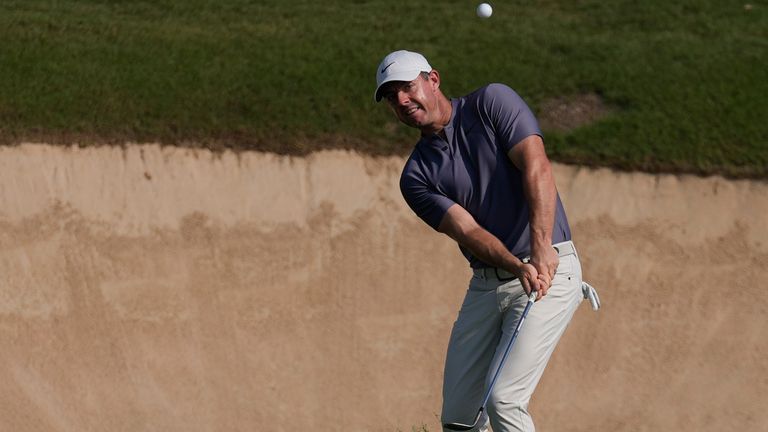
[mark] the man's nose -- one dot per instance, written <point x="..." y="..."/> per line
<point x="402" y="98"/>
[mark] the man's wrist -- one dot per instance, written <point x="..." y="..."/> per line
<point x="515" y="267"/>
<point x="542" y="244"/>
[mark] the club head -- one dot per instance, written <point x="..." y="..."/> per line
<point x="462" y="426"/>
<point x="458" y="426"/>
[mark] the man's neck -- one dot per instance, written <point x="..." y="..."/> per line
<point x="437" y="128"/>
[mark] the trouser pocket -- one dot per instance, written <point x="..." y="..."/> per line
<point x="509" y="293"/>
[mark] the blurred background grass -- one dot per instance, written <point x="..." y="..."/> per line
<point x="686" y="82"/>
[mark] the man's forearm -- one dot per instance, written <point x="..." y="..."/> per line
<point x="462" y="227"/>
<point x="540" y="191"/>
<point x="531" y="159"/>
<point x="490" y="250"/>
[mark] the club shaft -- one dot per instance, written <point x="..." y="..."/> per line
<point x="459" y="426"/>
<point x="531" y="300"/>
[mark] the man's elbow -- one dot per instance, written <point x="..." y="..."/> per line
<point x="456" y="224"/>
<point x="451" y="229"/>
<point x="539" y="171"/>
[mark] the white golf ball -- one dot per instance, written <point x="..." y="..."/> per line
<point x="484" y="10"/>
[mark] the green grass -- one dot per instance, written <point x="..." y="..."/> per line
<point x="687" y="80"/>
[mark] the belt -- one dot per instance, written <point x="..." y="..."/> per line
<point x="563" y="249"/>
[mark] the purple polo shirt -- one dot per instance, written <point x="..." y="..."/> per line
<point x="472" y="169"/>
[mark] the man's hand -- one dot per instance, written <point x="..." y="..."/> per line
<point x="530" y="279"/>
<point x="545" y="260"/>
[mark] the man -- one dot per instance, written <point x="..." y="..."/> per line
<point x="480" y="175"/>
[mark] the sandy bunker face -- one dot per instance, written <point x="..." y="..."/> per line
<point x="168" y="289"/>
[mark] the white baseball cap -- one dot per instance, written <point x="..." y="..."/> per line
<point x="400" y="66"/>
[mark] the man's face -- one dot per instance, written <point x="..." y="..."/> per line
<point x="414" y="102"/>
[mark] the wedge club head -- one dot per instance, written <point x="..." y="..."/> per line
<point x="462" y="426"/>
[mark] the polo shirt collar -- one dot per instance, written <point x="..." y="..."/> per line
<point x="448" y="127"/>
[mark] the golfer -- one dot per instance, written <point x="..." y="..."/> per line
<point x="480" y="175"/>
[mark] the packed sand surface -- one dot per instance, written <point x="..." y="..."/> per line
<point x="151" y="288"/>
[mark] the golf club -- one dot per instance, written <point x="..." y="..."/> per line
<point x="464" y="427"/>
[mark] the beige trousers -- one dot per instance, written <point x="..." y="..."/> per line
<point x="491" y="309"/>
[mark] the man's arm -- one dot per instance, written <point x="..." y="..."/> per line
<point x="462" y="227"/>
<point x="539" y="186"/>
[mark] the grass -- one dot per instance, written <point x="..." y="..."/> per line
<point x="687" y="81"/>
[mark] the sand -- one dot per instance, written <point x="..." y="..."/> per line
<point x="152" y="288"/>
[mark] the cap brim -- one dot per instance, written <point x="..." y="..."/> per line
<point x="409" y="75"/>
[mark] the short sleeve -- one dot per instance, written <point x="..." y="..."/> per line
<point x="510" y="115"/>
<point x="424" y="199"/>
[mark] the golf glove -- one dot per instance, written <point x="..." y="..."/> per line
<point x="590" y="293"/>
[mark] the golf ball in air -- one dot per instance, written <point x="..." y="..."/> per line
<point x="484" y="10"/>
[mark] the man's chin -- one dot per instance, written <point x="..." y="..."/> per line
<point x="413" y="122"/>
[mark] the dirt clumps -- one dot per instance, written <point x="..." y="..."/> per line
<point x="567" y="113"/>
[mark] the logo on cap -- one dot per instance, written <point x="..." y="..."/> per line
<point x="386" y="67"/>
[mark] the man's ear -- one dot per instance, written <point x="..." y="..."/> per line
<point x="434" y="79"/>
